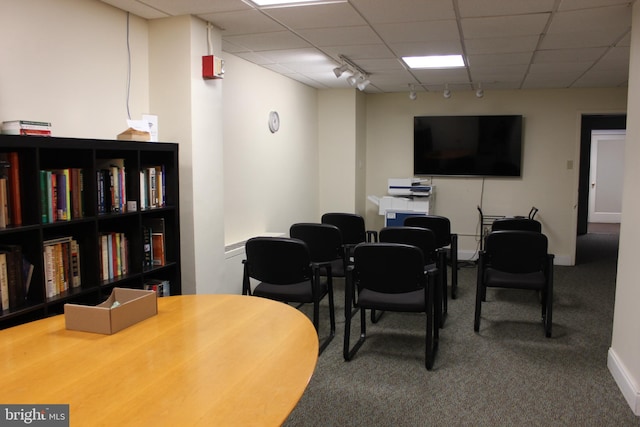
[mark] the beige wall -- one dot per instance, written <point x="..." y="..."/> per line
<point x="624" y="354"/>
<point x="271" y="179"/>
<point x="60" y="64"/>
<point x="551" y="140"/>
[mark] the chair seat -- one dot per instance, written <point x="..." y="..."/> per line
<point x="296" y="292"/>
<point x="409" y="301"/>
<point x="501" y="279"/>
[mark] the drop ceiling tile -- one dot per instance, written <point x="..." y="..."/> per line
<point x="317" y="16"/>
<point x="138" y="9"/>
<point x="244" y="22"/>
<point x="497" y="59"/>
<point x="586" y="4"/>
<point x="506" y="26"/>
<point x="568" y="55"/>
<point x="578" y="40"/>
<point x="362" y="51"/>
<point x="269" y="41"/>
<point x="418" y="31"/>
<point x="340" y="36"/>
<point x="451" y="76"/>
<point x="617" y="19"/>
<point x="444" y="47"/>
<point x="387" y="11"/>
<point x="501" y="45"/>
<point x="476" y="8"/>
<point x="194" y="7"/>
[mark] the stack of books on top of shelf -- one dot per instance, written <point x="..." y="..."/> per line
<point x="26" y="127"/>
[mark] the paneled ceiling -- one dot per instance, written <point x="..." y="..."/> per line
<point x="507" y="44"/>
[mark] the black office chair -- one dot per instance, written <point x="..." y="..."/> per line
<point x="516" y="259"/>
<point x="516" y="223"/>
<point x="352" y="227"/>
<point x="285" y="272"/>
<point x="434" y="259"/>
<point x="353" y="231"/>
<point x="391" y="277"/>
<point x="447" y="242"/>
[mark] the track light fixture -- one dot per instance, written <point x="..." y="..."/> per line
<point x="479" y="91"/>
<point x="413" y="95"/>
<point x="338" y="71"/>
<point x="447" y="92"/>
<point x="363" y="83"/>
<point x="358" y="77"/>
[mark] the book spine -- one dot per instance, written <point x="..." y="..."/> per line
<point x="44" y="202"/>
<point x="49" y="271"/>
<point x="14" y="273"/>
<point x="14" y="188"/>
<point x="4" y="208"/>
<point x="4" y="282"/>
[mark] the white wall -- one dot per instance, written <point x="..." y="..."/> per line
<point x="551" y="140"/>
<point x="61" y="64"/>
<point x="271" y="179"/>
<point x="624" y="354"/>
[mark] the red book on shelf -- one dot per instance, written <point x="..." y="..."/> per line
<point x="14" y="188"/>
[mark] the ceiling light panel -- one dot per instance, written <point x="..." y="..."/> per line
<point x="434" y="61"/>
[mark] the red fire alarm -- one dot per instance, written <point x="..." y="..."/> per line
<point x="212" y="67"/>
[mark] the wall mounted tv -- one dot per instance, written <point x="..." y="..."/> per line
<point x="467" y="145"/>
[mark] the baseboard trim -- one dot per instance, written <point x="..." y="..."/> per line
<point x="627" y="386"/>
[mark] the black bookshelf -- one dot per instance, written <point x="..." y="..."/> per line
<point x="51" y="153"/>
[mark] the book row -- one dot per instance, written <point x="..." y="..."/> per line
<point x="15" y="276"/>
<point x="61" y="259"/>
<point x="62" y="194"/>
<point x="10" y="202"/>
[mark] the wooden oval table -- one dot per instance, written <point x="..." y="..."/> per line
<point x="211" y="360"/>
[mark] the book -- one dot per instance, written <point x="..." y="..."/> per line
<point x="4" y="282"/>
<point x="75" y="264"/>
<point x="158" y="254"/>
<point x="4" y="207"/>
<point x="27" y="274"/>
<point x="17" y="294"/>
<point x="26" y="127"/>
<point x="47" y="254"/>
<point x="14" y="189"/>
<point x="161" y="287"/>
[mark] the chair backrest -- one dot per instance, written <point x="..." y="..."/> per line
<point x="516" y="251"/>
<point x="516" y="223"/>
<point x="423" y="238"/>
<point x="440" y="225"/>
<point x="351" y="226"/>
<point x="323" y="240"/>
<point x="388" y="267"/>
<point x="278" y="260"/>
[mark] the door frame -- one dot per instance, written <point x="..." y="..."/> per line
<point x="588" y="123"/>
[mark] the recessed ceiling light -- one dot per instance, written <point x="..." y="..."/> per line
<point x="287" y="3"/>
<point x="434" y="61"/>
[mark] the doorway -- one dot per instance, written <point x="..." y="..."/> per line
<point x="588" y="124"/>
<point x="606" y="176"/>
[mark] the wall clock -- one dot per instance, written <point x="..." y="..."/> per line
<point x="274" y="121"/>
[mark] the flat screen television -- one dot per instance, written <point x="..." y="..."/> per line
<point x="467" y="145"/>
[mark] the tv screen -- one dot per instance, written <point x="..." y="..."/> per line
<point x="467" y="145"/>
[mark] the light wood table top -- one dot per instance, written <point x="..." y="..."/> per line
<point x="211" y="360"/>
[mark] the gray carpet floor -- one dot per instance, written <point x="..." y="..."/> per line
<point x="508" y="374"/>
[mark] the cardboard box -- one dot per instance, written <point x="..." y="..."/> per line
<point x="135" y="306"/>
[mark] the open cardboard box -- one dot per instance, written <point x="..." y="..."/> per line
<point x="135" y="306"/>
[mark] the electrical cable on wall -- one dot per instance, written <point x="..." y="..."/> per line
<point x="128" y="70"/>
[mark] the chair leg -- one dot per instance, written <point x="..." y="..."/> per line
<point x="348" y="352"/>
<point x="332" y="316"/>
<point x="454" y="267"/>
<point x="374" y="318"/>
<point x="432" y="327"/>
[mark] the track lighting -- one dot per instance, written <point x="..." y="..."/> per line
<point x="447" y="92"/>
<point x="338" y="71"/>
<point x="479" y="92"/>
<point x="413" y="95"/>
<point x="363" y="83"/>
<point x="358" y="77"/>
